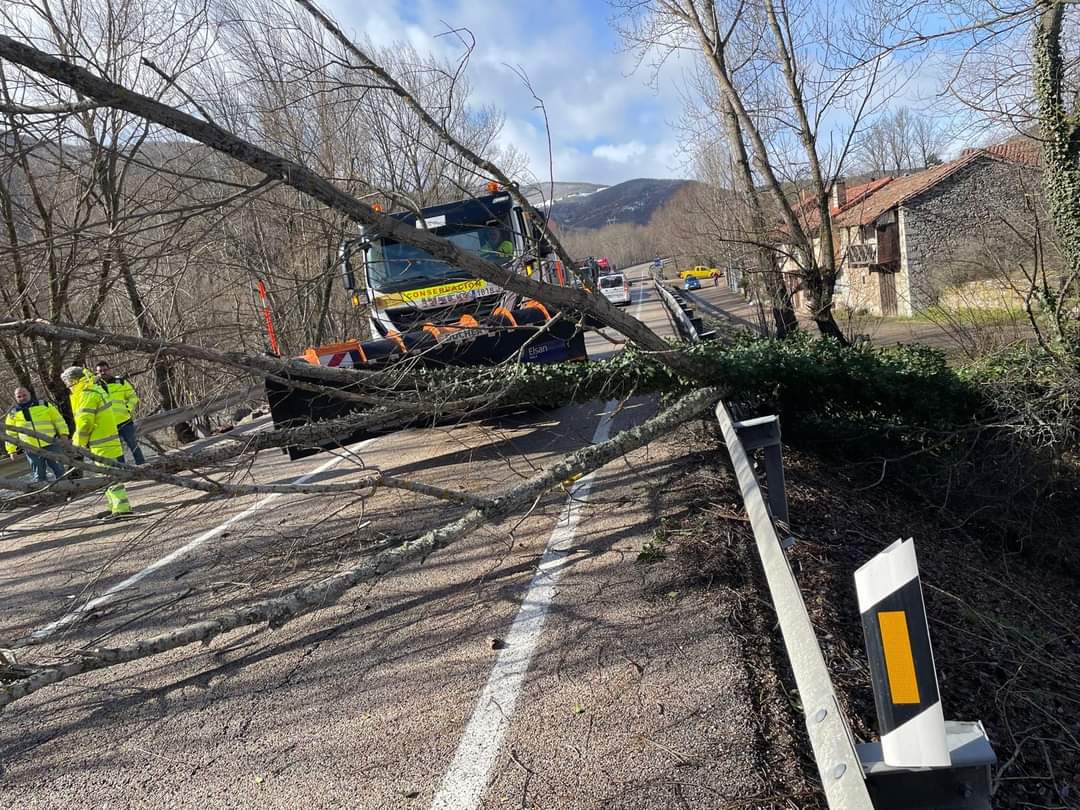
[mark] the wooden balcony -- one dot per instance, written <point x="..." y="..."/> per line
<point x="861" y="254"/>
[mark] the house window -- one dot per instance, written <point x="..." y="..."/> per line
<point x="867" y="233"/>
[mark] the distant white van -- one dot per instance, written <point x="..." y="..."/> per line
<point x="615" y="288"/>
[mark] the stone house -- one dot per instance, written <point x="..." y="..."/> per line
<point x="842" y="198"/>
<point x="915" y="236"/>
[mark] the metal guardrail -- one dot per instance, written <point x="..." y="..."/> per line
<point x="834" y="749"/>
<point x="922" y="761"/>
<point x="164" y="419"/>
<point x="688" y="326"/>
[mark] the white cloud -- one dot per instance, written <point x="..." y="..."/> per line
<point x="621" y="152"/>
<point x="591" y="94"/>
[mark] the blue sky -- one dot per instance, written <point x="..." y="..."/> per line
<point x="607" y="123"/>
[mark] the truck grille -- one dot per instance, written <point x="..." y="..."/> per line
<point x="406" y="319"/>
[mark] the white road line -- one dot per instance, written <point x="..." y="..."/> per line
<point x="640" y="301"/>
<point x="180" y="553"/>
<point x="464" y="783"/>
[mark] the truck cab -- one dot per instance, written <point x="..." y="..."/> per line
<point x="406" y="287"/>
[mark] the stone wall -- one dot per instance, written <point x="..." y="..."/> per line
<point x="858" y="290"/>
<point x="856" y="287"/>
<point x="985" y="294"/>
<point x="965" y="229"/>
<point x="905" y="305"/>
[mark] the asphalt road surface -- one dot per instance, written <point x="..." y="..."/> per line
<point x="532" y="664"/>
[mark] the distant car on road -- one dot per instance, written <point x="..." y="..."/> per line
<point x="615" y="288"/>
<point x="691" y="283"/>
<point x="700" y="271"/>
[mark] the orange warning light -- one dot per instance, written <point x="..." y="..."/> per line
<point x="492" y="186"/>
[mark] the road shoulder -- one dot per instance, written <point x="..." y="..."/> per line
<point x="652" y="687"/>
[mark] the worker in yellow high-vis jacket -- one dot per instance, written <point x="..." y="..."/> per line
<point x="124" y="400"/>
<point x="45" y="421"/>
<point x="95" y="429"/>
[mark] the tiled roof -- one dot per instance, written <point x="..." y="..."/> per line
<point x="902" y="188"/>
<point x="807" y="211"/>
<point x="868" y="201"/>
<point x="1021" y="149"/>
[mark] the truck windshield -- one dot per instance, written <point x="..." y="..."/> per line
<point x="394" y="267"/>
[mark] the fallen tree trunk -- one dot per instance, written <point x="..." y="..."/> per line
<point x="114" y="471"/>
<point x="310" y="598"/>
<point x="308" y="182"/>
<point x="903" y="386"/>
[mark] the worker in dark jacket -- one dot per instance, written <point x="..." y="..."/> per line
<point x="124" y="401"/>
<point x="43" y="418"/>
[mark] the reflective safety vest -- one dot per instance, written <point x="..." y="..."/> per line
<point x="41" y="417"/>
<point x="123" y="397"/>
<point x="95" y="423"/>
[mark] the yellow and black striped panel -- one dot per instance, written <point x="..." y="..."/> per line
<point x="901" y="659"/>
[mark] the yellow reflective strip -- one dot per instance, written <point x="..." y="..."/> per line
<point x="32" y="426"/>
<point x="475" y="285"/>
<point x="899" y="662"/>
<point x="45" y="430"/>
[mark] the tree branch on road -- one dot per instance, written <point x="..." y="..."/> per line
<point x="277" y="611"/>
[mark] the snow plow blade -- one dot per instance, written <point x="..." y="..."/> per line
<point x="526" y="332"/>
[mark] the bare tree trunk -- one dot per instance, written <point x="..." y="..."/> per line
<point x="164" y="370"/>
<point x="819" y="277"/>
<point x="822" y="281"/>
<point x="783" y="313"/>
<point x="1060" y="131"/>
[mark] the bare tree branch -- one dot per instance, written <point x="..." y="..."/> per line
<point x="277" y="611"/>
<point x="303" y="179"/>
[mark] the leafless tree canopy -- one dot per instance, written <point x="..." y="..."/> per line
<point x="165" y="164"/>
<point x="115" y="222"/>
<point x="900" y="140"/>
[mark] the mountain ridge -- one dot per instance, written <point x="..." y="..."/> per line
<point x="580" y="205"/>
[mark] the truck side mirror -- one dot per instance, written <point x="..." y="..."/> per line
<point x="348" y="275"/>
<point x="348" y="278"/>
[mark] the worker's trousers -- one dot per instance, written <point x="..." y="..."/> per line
<point x="39" y="465"/>
<point x="117" y="498"/>
<point x="128" y="436"/>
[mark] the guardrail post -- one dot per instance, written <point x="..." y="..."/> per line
<point x="764" y="432"/>
<point x="922" y="761"/>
